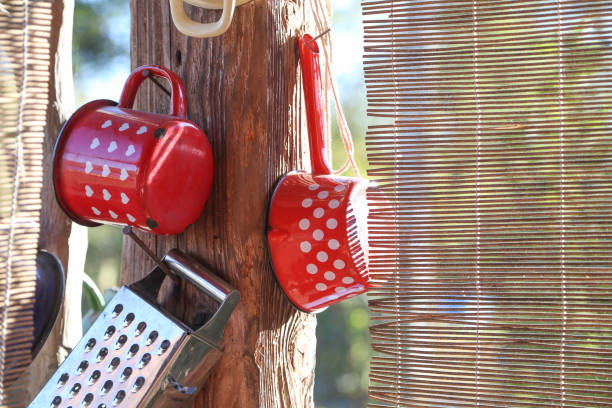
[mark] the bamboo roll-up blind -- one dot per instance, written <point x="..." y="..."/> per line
<point x="492" y="143"/>
<point x="24" y="82"/>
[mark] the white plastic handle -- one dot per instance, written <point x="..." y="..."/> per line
<point x="214" y="4"/>
<point x="194" y="29"/>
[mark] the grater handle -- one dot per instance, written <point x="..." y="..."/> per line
<point x="193" y="272"/>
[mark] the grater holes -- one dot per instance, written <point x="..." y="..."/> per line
<point x="95" y="376"/>
<point x="56" y="401"/>
<point x="152" y="337"/>
<point x="117" y="310"/>
<point x="87" y="400"/>
<point x="108" y="385"/>
<point x="146" y="358"/>
<point x="140" y="329"/>
<point x="133" y="350"/>
<point x="82" y="367"/>
<point x="75" y="390"/>
<point x="128" y="319"/>
<point x="110" y="330"/>
<point x="138" y="384"/>
<point x="119" y="397"/>
<point x="121" y="341"/>
<point x="91" y="343"/>
<point x="125" y="374"/>
<point x="63" y="380"/>
<point x="114" y="364"/>
<point x="165" y="345"/>
<point x="102" y="354"/>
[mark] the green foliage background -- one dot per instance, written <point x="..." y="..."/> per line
<point x="342" y="334"/>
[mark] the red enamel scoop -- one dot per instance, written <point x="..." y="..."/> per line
<point x="317" y="222"/>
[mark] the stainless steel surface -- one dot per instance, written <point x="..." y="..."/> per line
<point x="138" y="355"/>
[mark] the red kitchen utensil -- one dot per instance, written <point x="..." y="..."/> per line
<point x="116" y="165"/>
<point x="317" y="223"/>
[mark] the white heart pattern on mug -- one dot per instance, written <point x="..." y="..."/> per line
<point x="88" y="167"/>
<point x="94" y="143"/>
<point x="123" y="127"/>
<point x="124" y="175"/>
<point x="112" y="146"/>
<point x="105" y="171"/>
<point x="141" y="130"/>
<point x="124" y="198"/>
<point x="106" y="194"/>
<point x="106" y="124"/>
<point x="88" y="191"/>
<point x="130" y="150"/>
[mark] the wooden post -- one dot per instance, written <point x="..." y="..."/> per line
<point x="244" y="91"/>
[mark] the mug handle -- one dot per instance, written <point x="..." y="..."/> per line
<point x="194" y="29"/>
<point x="177" y="99"/>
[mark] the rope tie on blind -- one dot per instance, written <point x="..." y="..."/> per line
<point x="478" y="159"/>
<point x="561" y="96"/>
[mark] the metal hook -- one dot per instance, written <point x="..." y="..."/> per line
<point x="156" y="82"/>
<point x="319" y="36"/>
<point x="130" y="233"/>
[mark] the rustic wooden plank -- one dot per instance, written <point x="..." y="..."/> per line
<point x="244" y="91"/>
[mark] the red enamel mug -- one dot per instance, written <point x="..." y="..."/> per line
<point x="317" y="223"/>
<point x="116" y="165"/>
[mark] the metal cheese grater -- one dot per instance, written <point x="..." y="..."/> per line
<point x="138" y="355"/>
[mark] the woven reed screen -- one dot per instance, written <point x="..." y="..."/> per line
<point x="492" y="141"/>
<point x="24" y="77"/>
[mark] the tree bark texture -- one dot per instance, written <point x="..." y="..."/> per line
<point x="244" y="91"/>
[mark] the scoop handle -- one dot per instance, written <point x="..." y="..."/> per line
<point x="313" y="95"/>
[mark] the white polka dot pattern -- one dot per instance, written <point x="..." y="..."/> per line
<point x="318" y="223"/>
<point x="329" y="275"/>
